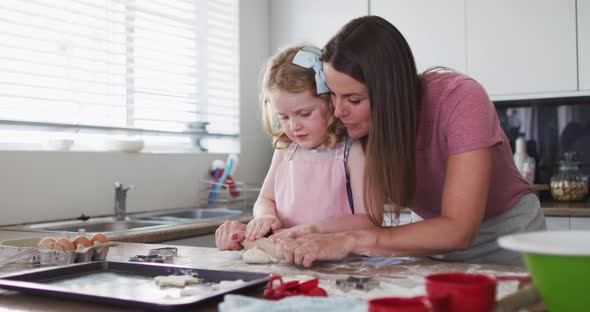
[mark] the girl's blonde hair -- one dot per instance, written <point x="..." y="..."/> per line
<point x="280" y="73"/>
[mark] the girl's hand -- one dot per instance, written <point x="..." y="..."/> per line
<point x="294" y="232"/>
<point x="313" y="247"/>
<point x="260" y="226"/>
<point x="229" y="235"/>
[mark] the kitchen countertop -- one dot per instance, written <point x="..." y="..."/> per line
<point x="186" y="230"/>
<point x="397" y="276"/>
<point x="566" y="209"/>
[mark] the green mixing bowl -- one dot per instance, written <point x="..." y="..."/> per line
<point x="559" y="263"/>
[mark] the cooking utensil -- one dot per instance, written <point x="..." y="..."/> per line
<point x="466" y="291"/>
<point x="126" y="283"/>
<point x="559" y="262"/>
<point x="362" y="283"/>
<point x="277" y="289"/>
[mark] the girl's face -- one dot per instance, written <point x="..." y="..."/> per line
<point x="303" y="116"/>
<point x="351" y="101"/>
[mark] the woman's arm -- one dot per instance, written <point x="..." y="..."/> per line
<point x="463" y="206"/>
<point x="464" y="199"/>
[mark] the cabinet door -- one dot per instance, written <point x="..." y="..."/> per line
<point x="526" y="46"/>
<point x="434" y="29"/>
<point x="311" y="21"/>
<point x="580" y="223"/>
<point x="557" y="223"/>
<point x="584" y="43"/>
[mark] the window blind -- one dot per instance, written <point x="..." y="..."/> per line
<point x="145" y="64"/>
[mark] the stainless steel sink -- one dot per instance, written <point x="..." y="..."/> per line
<point x="192" y="214"/>
<point x="140" y="221"/>
<point x="104" y="227"/>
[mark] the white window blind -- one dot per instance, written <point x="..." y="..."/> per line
<point x="147" y="64"/>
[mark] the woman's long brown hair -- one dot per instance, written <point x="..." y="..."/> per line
<point x="374" y="52"/>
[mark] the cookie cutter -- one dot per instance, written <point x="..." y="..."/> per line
<point x="165" y="251"/>
<point x="364" y="283"/>
<point x="148" y="258"/>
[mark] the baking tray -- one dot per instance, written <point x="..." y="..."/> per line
<point x="129" y="284"/>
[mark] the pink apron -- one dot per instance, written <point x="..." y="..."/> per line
<point x="310" y="190"/>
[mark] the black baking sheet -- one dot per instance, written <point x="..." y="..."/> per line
<point x="130" y="284"/>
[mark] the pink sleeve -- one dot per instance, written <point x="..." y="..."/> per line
<point x="471" y="119"/>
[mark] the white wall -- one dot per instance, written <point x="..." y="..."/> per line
<point x="41" y="186"/>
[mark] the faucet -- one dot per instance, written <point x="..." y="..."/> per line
<point x="120" y="197"/>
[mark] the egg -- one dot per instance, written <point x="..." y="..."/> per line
<point x="82" y="240"/>
<point x="47" y="242"/>
<point x="65" y="244"/>
<point x="99" y="238"/>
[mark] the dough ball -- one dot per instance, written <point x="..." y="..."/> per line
<point x="257" y="256"/>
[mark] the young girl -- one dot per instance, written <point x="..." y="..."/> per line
<point x="315" y="174"/>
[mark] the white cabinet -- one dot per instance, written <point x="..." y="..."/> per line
<point x="557" y="223"/>
<point x="526" y="46"/>
<point x="567" y="223"/>
<point x="435" y="30"/>
<point x="584" y="43"/>
<point x="579" y="223"/>
<point x="311" y="21"/>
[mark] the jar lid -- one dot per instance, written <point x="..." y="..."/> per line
<point x="570" y="158"/>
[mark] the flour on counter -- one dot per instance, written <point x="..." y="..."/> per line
<point x="227" y="284"/>
<point x="385" y="288"/>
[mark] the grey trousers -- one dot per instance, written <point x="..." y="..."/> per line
<point x="525" y="216"/>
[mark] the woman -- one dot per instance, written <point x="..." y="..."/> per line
<point x="432" y="143"/>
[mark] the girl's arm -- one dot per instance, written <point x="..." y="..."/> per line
<point x="463" y="206"/>
<point x="265" y="209"/>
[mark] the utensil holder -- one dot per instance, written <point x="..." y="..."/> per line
<point x="230" y="194"/>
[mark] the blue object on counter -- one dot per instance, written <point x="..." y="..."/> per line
<point x="217" y="184"/>
<point x="296" y="303"/>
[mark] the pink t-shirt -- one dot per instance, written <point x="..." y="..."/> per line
<point x="457" y="116"/>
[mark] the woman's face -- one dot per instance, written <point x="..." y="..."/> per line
<point x="351" y="101"/>
<point x="302" y="116"/>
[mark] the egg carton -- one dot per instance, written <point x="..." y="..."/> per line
<point x="29" y="248"/>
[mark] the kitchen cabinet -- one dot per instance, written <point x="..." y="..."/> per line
<point x="435" y="30"/>
<point x="567" y="223"/>
<point x="584" y="44"/>
<point x="557" y="223"/>
<point x="579" y="223"/>
<point x="522" y="47"/>
<point x="311" y="21"/>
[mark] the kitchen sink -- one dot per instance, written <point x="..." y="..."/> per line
<point x="192" y="214"/>
<point x="140" y="221"/>
<point x="104" y="227"/>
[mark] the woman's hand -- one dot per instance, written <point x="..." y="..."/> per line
<point x="293" y="232"/>
<point x="260" y="226"/>
<point x="313" y="247"/>
<point x="229" y="235"/>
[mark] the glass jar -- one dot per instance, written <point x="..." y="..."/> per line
<point x="568" y="183"/>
